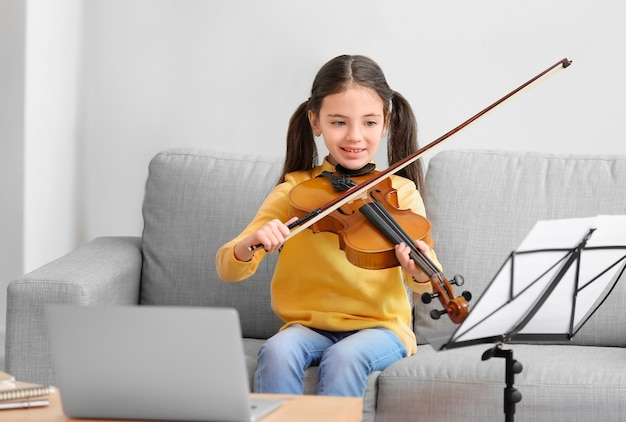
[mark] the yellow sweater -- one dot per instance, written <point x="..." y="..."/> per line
<point x="315" y="285"/>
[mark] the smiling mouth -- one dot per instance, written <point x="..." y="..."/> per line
<point x="353" y="150"/>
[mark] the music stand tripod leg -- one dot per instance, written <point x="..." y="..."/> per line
<point x="511" y="395"/>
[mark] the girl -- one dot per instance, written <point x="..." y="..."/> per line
<point x="347" y="320"/>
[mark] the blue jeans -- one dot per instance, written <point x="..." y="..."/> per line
<point x="345" y="359"/>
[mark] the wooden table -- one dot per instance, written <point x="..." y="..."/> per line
<point x="295" y="408"/>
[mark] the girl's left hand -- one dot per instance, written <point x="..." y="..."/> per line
<point x="402" y="253"/>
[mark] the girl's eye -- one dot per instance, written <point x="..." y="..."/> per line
<point x="339" y="123"/>
<point x="370" y="123"/>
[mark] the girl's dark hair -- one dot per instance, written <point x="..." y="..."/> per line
<point x="334" y="77"/>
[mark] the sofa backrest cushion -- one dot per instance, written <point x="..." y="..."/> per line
<point x="195" y="201"/>
<point x="483" y="203"/>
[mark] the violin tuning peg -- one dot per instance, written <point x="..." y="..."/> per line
<point x="436" y="314"/>
<point x="428" y="297"/>
<point x="458" y="280"/>
<point x="467" y="295"/>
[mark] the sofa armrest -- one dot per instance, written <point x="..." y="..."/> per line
<point x="105" y="271"/>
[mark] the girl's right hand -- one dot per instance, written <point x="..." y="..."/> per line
<point x="271" y="235"/>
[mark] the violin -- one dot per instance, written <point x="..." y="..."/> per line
<point x="359" y="224"/>
<point x="455" y="307"/>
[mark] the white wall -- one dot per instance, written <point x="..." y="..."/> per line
<point x="227" y="75"/>
<point x="154" y="74"/>
<point x="51" y="129"/>
<point x="39" y="78"/>
<point x="12" y="42"/>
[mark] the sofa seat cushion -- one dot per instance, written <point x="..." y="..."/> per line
<point x="458" y="385"/>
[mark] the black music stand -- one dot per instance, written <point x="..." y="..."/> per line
<point x="545" y="291"/>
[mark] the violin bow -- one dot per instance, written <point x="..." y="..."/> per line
<point x="362" y="188"/>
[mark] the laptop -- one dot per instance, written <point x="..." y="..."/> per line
<point x="152" y="363"/>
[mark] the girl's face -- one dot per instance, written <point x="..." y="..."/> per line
<point x="352" y="124"/>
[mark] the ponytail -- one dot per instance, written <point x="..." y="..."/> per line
<point x="402" y="140"/>
<point x="301" y="151"/>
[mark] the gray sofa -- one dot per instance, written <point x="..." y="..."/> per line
<point x="481" y="204"/>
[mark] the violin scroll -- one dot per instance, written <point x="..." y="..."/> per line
<point x="457" y="280"/>
<point x="456" y="308"/>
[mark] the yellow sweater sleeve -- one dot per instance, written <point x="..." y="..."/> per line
<point x="275" y="206"/>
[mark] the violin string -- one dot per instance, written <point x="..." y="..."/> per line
<point x="399" y="235"/>
<point x="382" y="219"/>
<point x="422" y="259"/>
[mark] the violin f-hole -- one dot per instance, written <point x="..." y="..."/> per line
<point x="342" y="212"/>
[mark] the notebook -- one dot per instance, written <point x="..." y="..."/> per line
<point x="149" y="362"/>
